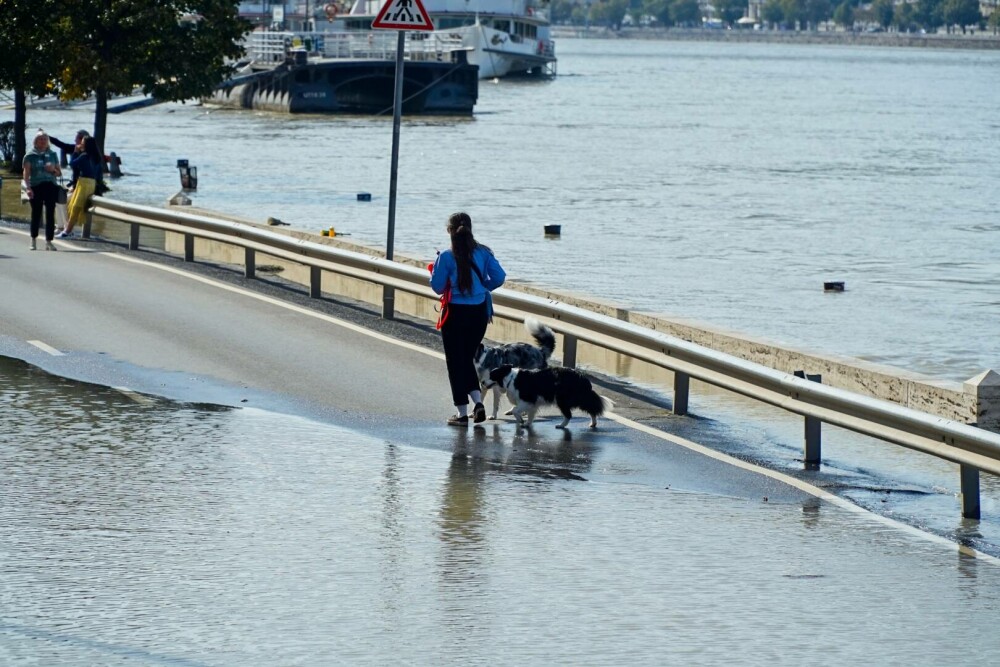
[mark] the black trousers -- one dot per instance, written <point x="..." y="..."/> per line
<point x="44" y="194"/>
<point x="461" y="335"/>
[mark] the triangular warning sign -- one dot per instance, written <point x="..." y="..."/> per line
<point x="403" y="15"/>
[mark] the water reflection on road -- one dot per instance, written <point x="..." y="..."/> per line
<point x="136" y="530"/>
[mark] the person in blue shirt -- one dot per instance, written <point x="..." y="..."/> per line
<point x="87" y="167"/>
<point x="470" y="271"/>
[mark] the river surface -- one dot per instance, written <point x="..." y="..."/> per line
<point x="721" y="183"/>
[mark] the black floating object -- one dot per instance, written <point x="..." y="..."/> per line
<point x="553" y="230"/>
<point x="836" y="286"/>
<point x="364" y="196"/>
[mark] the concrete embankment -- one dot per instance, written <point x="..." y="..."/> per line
<point x="976" y="401"/>
<point x="981" y="40"/>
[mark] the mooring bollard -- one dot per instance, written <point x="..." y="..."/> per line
<point x="115" y="166"/>
<point x="189" y="175"/>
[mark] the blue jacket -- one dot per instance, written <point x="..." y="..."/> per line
<point x="84" y="167"/>
<point x="446" y="271"/>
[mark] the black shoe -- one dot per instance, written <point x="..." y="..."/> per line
<point x="480" y="413"/>
<point x="456" y="420"/>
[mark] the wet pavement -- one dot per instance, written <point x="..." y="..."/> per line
<point x="139" y="530"/>
<point x="161" y="516"/>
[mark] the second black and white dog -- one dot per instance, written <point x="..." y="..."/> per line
<point x="516" y="355"/>
<point x="567" y="388"/>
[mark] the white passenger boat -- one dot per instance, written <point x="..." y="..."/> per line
<point x="502" y="37"/>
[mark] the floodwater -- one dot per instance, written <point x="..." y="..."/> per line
<point x="136" y="530"/>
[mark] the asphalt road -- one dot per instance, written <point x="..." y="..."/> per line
<point x="200" y="333"/>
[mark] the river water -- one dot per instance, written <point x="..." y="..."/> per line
<point x="721" y="183"/>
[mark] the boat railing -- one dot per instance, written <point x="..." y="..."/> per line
<point x="972" y="448"/>
<point x="272" y="48"/>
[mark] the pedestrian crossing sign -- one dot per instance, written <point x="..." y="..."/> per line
<point x="403" y="15"/>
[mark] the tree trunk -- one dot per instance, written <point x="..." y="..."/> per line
<point x="101" y="120"/>
<point x="20" y="127"/>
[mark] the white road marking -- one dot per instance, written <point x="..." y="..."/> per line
<point x="662" y="435"/>
<point x="46" y="348"/>
<point x="806" y="487"/>
<point x="135" y="396"/>
<point x="282" y="304"/>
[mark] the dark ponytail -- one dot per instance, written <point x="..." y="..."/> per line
<point x="463" y="244"/>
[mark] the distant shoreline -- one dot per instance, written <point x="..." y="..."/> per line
<point x="979" y="41"/>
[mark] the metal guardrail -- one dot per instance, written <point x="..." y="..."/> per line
<point x="973" y="449"/>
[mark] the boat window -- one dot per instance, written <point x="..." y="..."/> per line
<point x="501" y="25"/>
<point x="302" y="76"/>
<point x="525" y="30"/>
<point x="447" y="23"/>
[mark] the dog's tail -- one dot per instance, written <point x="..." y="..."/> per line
<point x="594" y="404"/>
<point x="543" y="336"/>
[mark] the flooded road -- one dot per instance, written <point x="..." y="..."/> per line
<point x="139" y="530"/>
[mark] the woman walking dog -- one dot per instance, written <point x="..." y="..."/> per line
<point x="469" y="271"/>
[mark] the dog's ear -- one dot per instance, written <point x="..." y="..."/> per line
<point x="499" y="372"/>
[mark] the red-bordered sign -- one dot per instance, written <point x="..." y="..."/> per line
<point x="403" y="15"/>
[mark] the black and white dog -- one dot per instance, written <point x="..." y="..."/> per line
<point x="529" y="390"/>
<point x="516" y="355"/>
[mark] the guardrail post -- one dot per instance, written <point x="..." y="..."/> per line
<point x="315" y="282"/>
<point x="682" y="389"/>
<point x="88" y="221"/>
<point x="189" y="247"/>
<point x="811" y="455"/>
<point x="388" y="299"/>
<point x="569" y="351"/>
<point x="133" y="236"/>
<point x="970" y="491"/>
<point x="250" y="263"/>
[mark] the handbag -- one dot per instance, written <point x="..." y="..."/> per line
<point x="62" y="195"/>
<point x="443" y="307"/>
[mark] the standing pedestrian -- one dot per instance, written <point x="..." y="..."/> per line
<point x="40" y="169"/>
<point x="469" y="272"/>
<point x="73" y="149"/>
<point x="86" y="171"/>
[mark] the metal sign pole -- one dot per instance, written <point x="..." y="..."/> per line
<point x="388" y="293"/>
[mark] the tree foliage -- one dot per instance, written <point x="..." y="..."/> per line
<point x="961" y="13"/>
<point x="685" y="12"/>
<point x="170" y="49"/>
<point x="773" y="12"/>
<point x="929" y="14"/>
<point x="29" y="58"/>
<point x="843" y="15"/>
<point x="883" y="11"/>
<point x="660" y="9"/>
<point x="609" y="13"/>
<point x="730" y="11"/>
